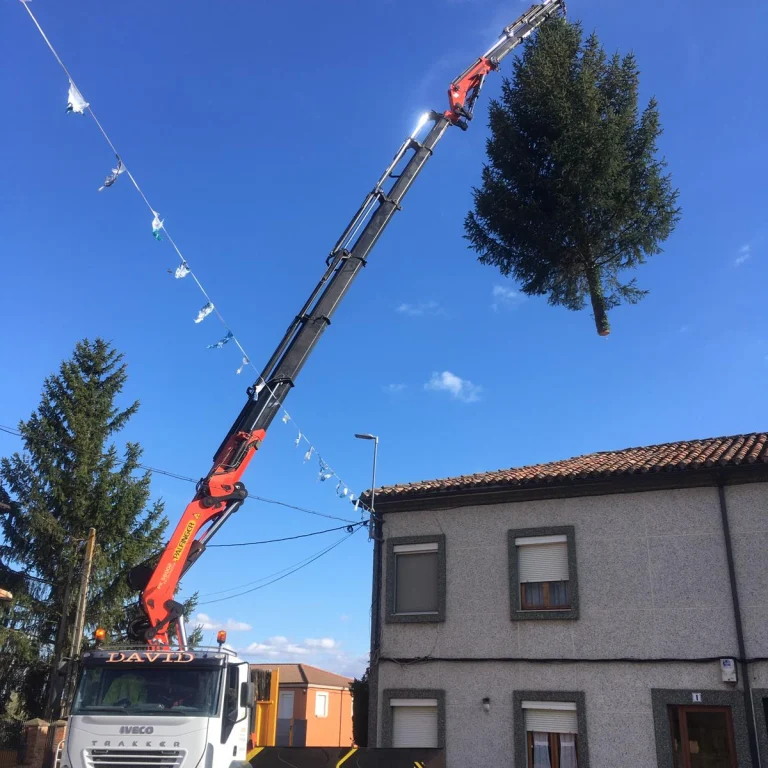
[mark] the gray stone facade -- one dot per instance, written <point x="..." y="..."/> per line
<point x="655" y="613"/>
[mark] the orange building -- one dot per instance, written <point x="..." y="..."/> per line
<point x="314" y="707"/>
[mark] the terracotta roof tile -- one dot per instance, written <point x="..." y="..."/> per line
<point x="293" y="674"/>
<point x="685" y="456"/>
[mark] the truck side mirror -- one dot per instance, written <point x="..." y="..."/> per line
<point x="247" y="694"/>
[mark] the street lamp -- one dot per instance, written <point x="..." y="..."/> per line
<point x="374" y="532"/>
<point x="375" y="456"/>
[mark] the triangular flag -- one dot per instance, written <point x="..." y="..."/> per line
<point x="298" y="440"/>
<point x="221" y="342"/>
<point x="75" y="100"/>
<point x="286" y="418"/>
<point x="246" y="361"/>
<point x="204" y="312"/>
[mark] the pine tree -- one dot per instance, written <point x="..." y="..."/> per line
<point x="573" y="192"/>
<point x="70" y="477"/>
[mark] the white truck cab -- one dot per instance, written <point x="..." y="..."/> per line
<point x="169" y="709"/>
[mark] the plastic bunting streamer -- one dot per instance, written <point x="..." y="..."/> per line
<point x="221" y="342"/>
<point x="204" y="312"/>
<point x="326" y="473"/>
<point x="182" y="271"/>
<point x="157" y="225"/>
<point x="112" y="178"/>
<point x="75" y="100"/>
<point x="77" y="104"/>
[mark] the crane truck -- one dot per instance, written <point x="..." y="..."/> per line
<point x="155" y="701"/>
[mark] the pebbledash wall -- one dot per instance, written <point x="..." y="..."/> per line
<point x="653" y="584"/>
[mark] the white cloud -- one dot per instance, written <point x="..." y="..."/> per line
<point x="394" y="389"/>
<point x="326" y="643"/>
<point x="745" y="253"/>
<point x="208" y="624"/>
<point x="505" y="297"/>
<point x="458" y="388"/>
<point x="324" y="652"/>
<point x="422" y="308"/>
<point x="280" y="646"/>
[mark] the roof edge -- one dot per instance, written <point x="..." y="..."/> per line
<point x="485" y="495"/>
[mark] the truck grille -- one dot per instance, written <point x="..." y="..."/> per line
<point x="134" y="758"/>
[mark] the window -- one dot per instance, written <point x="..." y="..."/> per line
<point x="321" y="704"/>
<point x="413" y="717"/>
<point x="551" y="729"/>
<point x="414" y="722"/>
<point x="416" y="578"/>
<point x="702" y="736"/>
<point x="542" y="573"/>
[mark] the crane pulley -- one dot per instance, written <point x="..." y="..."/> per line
<point x="221" y="492"/>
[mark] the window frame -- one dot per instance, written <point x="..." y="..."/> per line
<point x="663" y="698"/>
<point x="518" y="612"/>
<point x="387" y="716"/>
<point x="553" y="748"/>
<point x="391" y="580"/>
<point x="521" y="734"/>
<point x="327" y="696"/>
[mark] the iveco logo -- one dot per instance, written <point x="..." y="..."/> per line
<point x="136" y="729"/>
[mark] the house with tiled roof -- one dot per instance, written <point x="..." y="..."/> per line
<point x="314" y="706"/>
<point x="604" y="610"/>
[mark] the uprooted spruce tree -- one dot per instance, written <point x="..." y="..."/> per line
<point x="574" y="192"/>
<point x="70" y="477"/>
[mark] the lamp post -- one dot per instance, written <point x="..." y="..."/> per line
<point x="375" y="439"/>
<point x="375" y="532"/>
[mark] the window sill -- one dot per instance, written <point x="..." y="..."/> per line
<point x="546" y="614"/>
<point x="433" y="617"/>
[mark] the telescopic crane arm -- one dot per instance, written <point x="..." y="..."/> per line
<point x="221" y="492"/>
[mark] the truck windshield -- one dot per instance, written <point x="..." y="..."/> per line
<point x="148" y="690"/>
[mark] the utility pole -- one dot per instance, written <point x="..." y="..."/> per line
<point x="77" y="635"/>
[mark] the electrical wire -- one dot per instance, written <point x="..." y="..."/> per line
<point x="176" y="476"/>
<point x="261" y="383"/>
<point x="348" y="528"/>
<point x="261" y="579"/>
<point x="290" y="572"/>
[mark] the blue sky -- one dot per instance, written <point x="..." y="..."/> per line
<point x="256" y="129"/>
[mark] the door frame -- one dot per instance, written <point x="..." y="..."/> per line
<point x="685" y="744"/>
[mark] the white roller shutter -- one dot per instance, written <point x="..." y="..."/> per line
<point x="550" y="717"/>
<point x="542" y="561"/>
<point x="414" y="726"/>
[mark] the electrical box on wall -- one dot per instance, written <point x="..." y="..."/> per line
<point x="728" y="670"/>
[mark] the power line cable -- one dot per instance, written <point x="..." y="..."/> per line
<point x="261" y="383"/>
<point x="285" y="575"/>
<point x="260" y="579"/>
<point x="348" y="528"/>
<point x="185" y="478"/>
